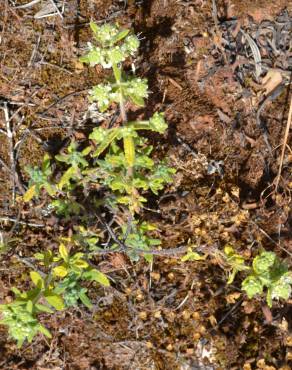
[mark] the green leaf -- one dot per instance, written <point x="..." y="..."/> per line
<point x="86" y="151"/>
<point x="37" y="279"/>
<point x="232" y="276"/>
<point x="129" y="149"/>
<point x="192" y="256"/>
<point x="20" y="342"/>
<point x="63" y="252"/>
<point x="30" y="193"/>
<point x="137" y="100"/>
<point x="117" y="72"/>
<point x="56" y="301"/>
<point x="252" y="285"/>
<point x="148" y="257"/>
<point x="29" y="306"/>
<point x="263" y="262"/>
<point x="85" y="300"/>
<point x="94" y="27"/>
<point x="16" y="291"/>
<point x="50" y="189"/>
<point x="282" y="287"/>
<point x="157" y="122"/>
<point x="121" y="35"/>
<point x="43" y="308"/>
<point x="45" y="331"/>
<point x="95" y="275"/>
<point x="60" y="271"/>
<point x="46" y="163"/>
<point x="107" y="141"/>
<point x="80" y="264"/>
<point x="67" y="176"/>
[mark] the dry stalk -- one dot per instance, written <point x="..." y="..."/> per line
<point x="9" y="135"/>
<point x="284" y="146"/>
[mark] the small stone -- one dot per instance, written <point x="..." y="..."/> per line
<point x="202" y="329"/>
<point x="143" y="315"/>
<point x="149" y="345"/>
<point x="155" y="276"/>
<point x="196" y="315"/>
<point x="169" y="347"/>
<point x="289" y="341"/>
<point x="186" y="315"/>
<point x="157" y="314"/>
<point x="196" y="336"/>
<point x="261" y="363"/>
<point x="170" y="276"/>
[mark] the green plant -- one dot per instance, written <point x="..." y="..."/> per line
<point x="59" y="288"/>
<point x="235" y="261"/>
<point x="114" y="168"/>
<point x="270" y="273"/>
<point x="267" y="272"/>
<point x="116" y="159"/>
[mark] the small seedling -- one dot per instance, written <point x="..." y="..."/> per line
<point x="59" y="288"/>
<point x="270" y="273"/>
<point x="267" y="272"/>
<point x="235" y="261"/>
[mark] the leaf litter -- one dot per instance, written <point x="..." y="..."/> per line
<point x="186" y="316"/>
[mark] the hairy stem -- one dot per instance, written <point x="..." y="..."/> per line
<point x="129" y="146"/>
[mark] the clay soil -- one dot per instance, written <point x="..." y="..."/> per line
<point x="172" y="315"/>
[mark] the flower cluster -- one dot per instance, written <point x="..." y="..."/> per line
<point x="104" y="94"/>
<point x="111" y="51"/>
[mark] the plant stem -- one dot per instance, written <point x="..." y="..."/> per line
<point x="129" y="145"/>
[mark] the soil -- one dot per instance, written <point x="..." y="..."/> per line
<point x="172" y="315"/>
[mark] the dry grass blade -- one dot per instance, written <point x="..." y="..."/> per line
<point x="284" y="146"/>
<point x="28" y="5"/>
<point x="256" y="54"/>
<point x="48" y="10"/>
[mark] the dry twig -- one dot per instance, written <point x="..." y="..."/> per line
<point x="284" y="146"/>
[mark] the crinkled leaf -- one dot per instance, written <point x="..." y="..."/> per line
<point x="252" y="285"/>
<point x="157" y="122"/>
<point x="282" y="287"/>
<point x="263" y="262"/>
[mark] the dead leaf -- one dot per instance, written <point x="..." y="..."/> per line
<point x="213" y="320"/>
<point x="271" y="80"/>
<point x="233" y="297"/>
<point x="248" y="307"/>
